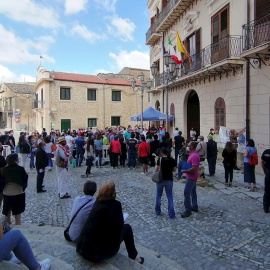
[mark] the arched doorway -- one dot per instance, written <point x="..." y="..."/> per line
<point x="193" y="113"/>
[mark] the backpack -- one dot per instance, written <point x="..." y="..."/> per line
<point x="253" y="159"/>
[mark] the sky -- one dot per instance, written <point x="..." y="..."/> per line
<point x="77" y="36"/>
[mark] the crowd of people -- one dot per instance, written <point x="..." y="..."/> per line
<point x="124" y="147"/>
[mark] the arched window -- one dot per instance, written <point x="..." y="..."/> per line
<point x="220" y="113"/>
<point x="172" y="112"/>
<point x="157" y="105"/>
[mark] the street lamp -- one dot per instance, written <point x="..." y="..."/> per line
<point x="171" y="73"/>
<point x="145" y="85"/>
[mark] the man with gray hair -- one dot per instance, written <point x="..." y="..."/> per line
<point x="84" y="205"/>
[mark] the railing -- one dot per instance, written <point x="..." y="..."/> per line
<point x="166" y="10"/>
<point x="151" y="30"/>
<point x="256" y="32"/>
<point x="226" y="48"/>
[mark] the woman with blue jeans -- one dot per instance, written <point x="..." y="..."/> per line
<point x="167" y="165"/>
<point x="15" y="241"/>
<point x="33" y="144"/>
<point x="48" y="150"/>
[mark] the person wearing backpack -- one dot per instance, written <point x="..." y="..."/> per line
<point x="250" y="160"/>
<point x="24" y="150"/>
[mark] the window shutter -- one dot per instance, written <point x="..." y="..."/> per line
<point x="198" y="40"/>
<point x="262" y="7"/>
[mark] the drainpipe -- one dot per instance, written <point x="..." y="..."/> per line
<point x="248" y="81"/>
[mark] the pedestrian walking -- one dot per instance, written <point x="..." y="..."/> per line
<point x="89" y="156"/>
<point x="132" y="149"/>
<point x="48" y="147"/>
<point x="98" y="149"/>
<point x="178" y="142"/>
<point x="79" y="142"/>
<point x="167" y="165"/>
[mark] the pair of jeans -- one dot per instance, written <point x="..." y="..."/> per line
<point x="212" y="165"/>
<point x="132" y="158"/>
<point x="49" y="155"/>
<point x="98" y="153"/>
<point x="40" y="177"/>
<point x="114" y="159"/>
<point x="168" y="185"/>
<point x="190" y="195"/>
<point x="15" y="241"/>
<point x="228" y="172"/>
<point x="79" y="157"/>
<point x="32" y="160"/>
<point x="266" y="195"/>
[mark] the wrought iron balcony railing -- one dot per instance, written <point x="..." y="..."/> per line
<point x="226" y="48"/>
<point x="256" y="33"/>
<point x="151" y="31"/>
<point x="166" y="10"/>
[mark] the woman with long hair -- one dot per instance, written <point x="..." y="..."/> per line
<point x="229" y="162"/>
<point x="167" y="165"/>
<point x="24" y="149"/>
<point x="249" y="170"/>
<point x="89" y="156"/>
<point x="33" y="145"/>
<point x="105" y="229"/>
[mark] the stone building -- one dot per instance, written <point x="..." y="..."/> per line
<point x="226" y="82"/>
<point x="68" y="100"/>
<point x="16" y="106"/>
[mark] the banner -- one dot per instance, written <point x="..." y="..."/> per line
<point x="224" y="136"/>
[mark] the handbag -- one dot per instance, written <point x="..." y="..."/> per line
<point x="157" y="176"/>
<point x="6" y="226"/>
<point x="66" y="231"/>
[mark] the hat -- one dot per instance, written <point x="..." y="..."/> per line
<point x="3" y="162"/>
<point x="61" y="139"/>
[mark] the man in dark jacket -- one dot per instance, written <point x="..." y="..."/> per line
<point x="211" y="155"/>
<point x="41" y="164"/>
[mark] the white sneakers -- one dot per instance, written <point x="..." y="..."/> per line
<point x="45" y="265"/>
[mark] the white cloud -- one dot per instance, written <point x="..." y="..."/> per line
<point x="82" y="31"/>
<point x="8" y="76"/>
<point x="30" y="12"/>
<point x="15" y="50"/>
<point x="123" y="28"/>
<point x="133" y="59"/>
<point x="97" y="71"/>
<point x="108" y="5"/>
<point x="72" y="7"/>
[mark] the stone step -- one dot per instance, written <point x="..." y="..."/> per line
<point x="50" y="240"/>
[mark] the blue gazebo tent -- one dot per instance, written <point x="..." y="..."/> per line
<point x="150" y="114"/>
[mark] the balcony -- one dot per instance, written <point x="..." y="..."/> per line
<point x="152" y="36"/>
<point x="256" y="37"/>
<point x="7" y="109"/>
<point x="170" y="13"/>
<point x="217" y="60"/>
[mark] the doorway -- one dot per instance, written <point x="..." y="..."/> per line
<point x="193" y="113"/>
<point x="65" y="124"/>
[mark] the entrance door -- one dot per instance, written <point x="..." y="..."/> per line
<point x="193" y="113"/>
<point x="65" y="124"/>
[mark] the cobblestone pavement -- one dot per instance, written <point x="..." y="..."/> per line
<point x="230" y="231"/>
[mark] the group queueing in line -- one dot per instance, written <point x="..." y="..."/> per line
<point x="91" y="217"/>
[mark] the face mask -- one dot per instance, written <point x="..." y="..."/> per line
<point x="188" y="149"/>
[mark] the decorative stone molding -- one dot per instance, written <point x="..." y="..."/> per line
<point x="209" y="4"/>
<point x="191" y="20"/>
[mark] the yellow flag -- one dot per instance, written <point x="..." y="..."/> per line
<point x="181" y="48"/>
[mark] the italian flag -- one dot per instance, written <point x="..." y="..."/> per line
<point x="173" y="53"/>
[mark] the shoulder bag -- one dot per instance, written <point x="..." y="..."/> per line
<point x="66" y="231"/>
<point x="157" y="176"/>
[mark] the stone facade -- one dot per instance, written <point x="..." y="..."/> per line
<point x="223" y="69"/>
<point x="16" y="106"/>
<point x="53" y="112"/>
